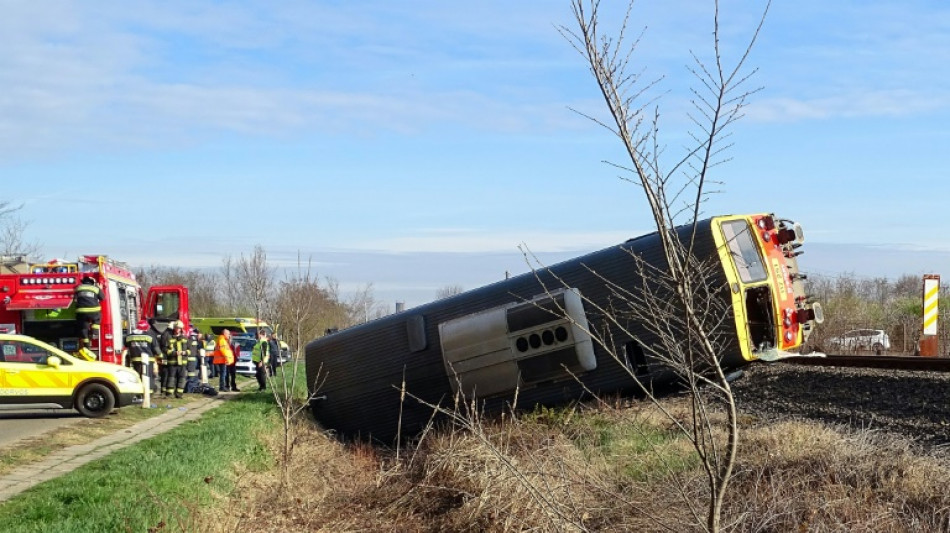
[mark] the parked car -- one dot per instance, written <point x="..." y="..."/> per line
<point x="242" y="347"/>
<point x="875" y="340"/>
<point x="34" y="374"/>
<point x="242" y="350"/>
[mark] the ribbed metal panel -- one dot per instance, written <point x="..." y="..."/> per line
<point x="362" y="369"/>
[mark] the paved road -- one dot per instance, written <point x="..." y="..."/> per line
<point x="25" y="423"/>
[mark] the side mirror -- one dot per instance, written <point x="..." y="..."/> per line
<point x="53" y="361"/>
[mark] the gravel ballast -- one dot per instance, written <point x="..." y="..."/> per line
<point x="914" y="404"/>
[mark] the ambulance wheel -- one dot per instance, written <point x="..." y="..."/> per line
<point x="95" y="400"/>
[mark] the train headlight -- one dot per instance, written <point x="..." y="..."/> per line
<point x="789" y="336"/>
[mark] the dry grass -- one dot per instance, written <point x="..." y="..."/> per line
<point x="607" y="470"/>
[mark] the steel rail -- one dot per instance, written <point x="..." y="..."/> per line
<point x="896" y="362"/>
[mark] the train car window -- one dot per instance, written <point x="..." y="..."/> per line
<point x="744" y="252"/>
<point x="416" y="330"/>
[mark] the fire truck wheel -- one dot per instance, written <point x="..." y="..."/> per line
<point x="95" y="400"/>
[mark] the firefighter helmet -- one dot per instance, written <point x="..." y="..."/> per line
<point x="178" y="324"/>
<point x="142" y="325"/>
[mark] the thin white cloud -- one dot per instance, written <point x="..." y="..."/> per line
<point x="461" y="241"/>
<point x="871" y="103"/>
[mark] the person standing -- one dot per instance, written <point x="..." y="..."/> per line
<point x="88" y="297"/>
<point x="141" y="349"/>
<point x="260" y="356"/>
<point x="176" y="360"/>
<point x="195" y="348"/>
<point x="210" y="345"/>
<point x="275" y="358"/>
<point x="232" y="367"/>
<point x="157" y="363"/>
<point x="223" y="358"/>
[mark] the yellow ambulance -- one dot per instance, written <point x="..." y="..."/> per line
<point x="34" y="374"/>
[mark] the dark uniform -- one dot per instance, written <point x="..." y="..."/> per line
<point x="192" y="374"/>
<point x="88" y="298"/>
<point x="260" y="355"/>
<point x="159" y="364"/>
<point x="140" y="343"/>
<point x="175" y="347"/>
<point x="274" y="354"/>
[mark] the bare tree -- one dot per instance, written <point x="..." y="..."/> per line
<point x="13" y="233"/>
<point x="13" y="238"/>
<point x="447" y="291"/>
<point x="678" y="304"/>
<point x="236" y="300"/>
<point x="204" y="287"/>
<point x="298" y="303"/>
<point x="256" y="279"/>
<point x="363" y="307"/>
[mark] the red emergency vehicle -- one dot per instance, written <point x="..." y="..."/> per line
<point x="37" y="300"/>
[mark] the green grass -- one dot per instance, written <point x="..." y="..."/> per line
<point x="639" y="450"/>
<point x="297" y="385"/>
<point x="156" y="483"/>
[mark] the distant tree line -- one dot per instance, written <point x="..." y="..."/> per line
<point x="302" y="305"/>
<point x="851" y="302"/>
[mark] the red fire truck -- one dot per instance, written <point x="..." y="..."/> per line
<point x="37" y="300"/>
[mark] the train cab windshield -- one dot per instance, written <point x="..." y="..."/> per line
<point x="757" y="300"/>
<point x="744" y="251"/>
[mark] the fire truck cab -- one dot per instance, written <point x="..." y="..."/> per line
<point x="37" y="300"/>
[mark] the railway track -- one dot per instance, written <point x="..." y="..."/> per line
<point x="894" y="362"/>
<point x="903" y="395"/>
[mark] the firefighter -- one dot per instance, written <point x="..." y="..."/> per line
<point x="158" y="366"/>
<point x="140" y="342"/>
<point x="223" y="358"/>
<point x="140" y="345"/>
<point x="195" y="349"/>
<point x="175" y="358"/>
<point x="88" y="297"/>
<point x="260" y="356"/>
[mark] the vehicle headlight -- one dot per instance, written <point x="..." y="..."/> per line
<point x="124" y="376"/>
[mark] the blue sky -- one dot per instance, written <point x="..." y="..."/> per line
<point x="416" y="144"/>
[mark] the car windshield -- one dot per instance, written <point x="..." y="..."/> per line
<point x="244" y="343"/>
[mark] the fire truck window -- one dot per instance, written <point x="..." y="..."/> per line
<point x="167" y="306"/>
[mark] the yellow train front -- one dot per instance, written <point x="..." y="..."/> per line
<point x="530" y="337"/>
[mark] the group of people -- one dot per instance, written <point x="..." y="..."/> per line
<point x="176" y="359"/>
<point x="173" y="357"/>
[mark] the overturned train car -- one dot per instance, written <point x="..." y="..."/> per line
<point x="528" y="335"/>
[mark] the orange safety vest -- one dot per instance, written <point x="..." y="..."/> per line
<point x="222" y="351"/>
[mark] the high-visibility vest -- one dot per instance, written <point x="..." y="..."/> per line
<point x="260" y="352"/>
<point x="222" y="351"/>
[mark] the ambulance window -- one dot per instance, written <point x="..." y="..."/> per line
<point x="18" y="352"/>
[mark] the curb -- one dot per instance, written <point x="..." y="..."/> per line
<point x="68" y="459"/>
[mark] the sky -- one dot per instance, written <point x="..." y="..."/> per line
<point x="415" y="145"/>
